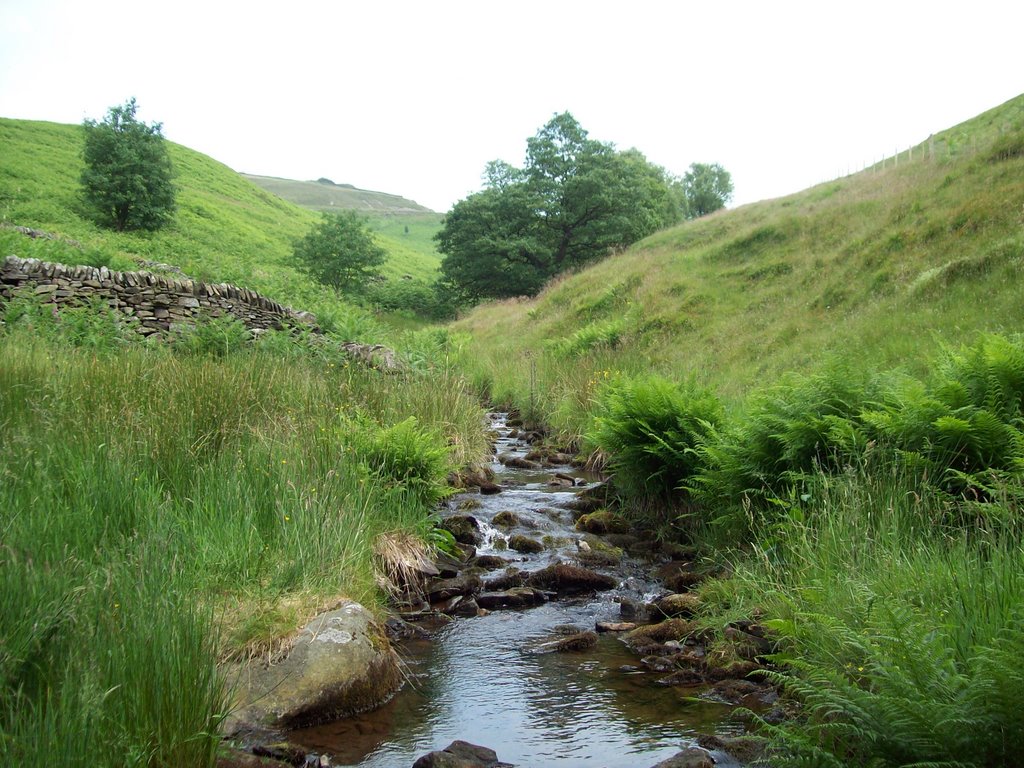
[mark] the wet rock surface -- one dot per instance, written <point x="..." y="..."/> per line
<point x="461" y="754"/>
<point x="341" y="664"/>
<point x="693" y="757"/>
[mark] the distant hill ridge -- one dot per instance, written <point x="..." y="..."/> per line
<point x="326" y="195"/>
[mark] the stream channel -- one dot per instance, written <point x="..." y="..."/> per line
<point x="485" y="679"/>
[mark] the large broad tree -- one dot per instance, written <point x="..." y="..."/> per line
<point x="573" y="202"/>
<point x="706" y="188"/>
<point x="340" y="252"/>
<point x="127" y="179"/>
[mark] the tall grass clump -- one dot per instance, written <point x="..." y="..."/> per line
<point x="164" y="509"/>
<point x="899" y="633"/>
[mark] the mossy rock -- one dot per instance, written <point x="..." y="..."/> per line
<point x="506" y="519"/>
<point x="571" y="579"/>
<point x="602" y="521"/>
<point x="685" y="605"/>
<point x="594" y="559"/>
<point x="340" y="665"/>
<point x="525" y="544"/>
<point x="464" y="528"/>
<point x="598" y="544"/>
<point x="672" y="629"/>
<point x="574" y="642"/>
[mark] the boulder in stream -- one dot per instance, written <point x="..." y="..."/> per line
<point x="525" y="544"/>
<point x="461" y="754"/>
<point x="684" y="605"/>
<point x="340" y="664"/>
<point x="602" y="521"/>
<point x="570" y="579"/>
<point x="490" y="562"/>
<point x="516" y="597"/>
<point x="693" y="757"/>
<point x="465" y="583"/>
<point x="506" y="519"/>
<point x="465" y="529"/>
<point x="517" y="462"/>
<point x="512" y="577"/>
<point x="576" y="641"/>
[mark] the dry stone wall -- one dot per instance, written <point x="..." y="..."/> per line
<point x="158" y="302"/>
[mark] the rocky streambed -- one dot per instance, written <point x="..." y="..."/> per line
<point x="555" y="637"/>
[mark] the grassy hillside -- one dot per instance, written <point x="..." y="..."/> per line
<point x="406" y="227"/>
<point x="878" y="268"/>
<point x="225" y="228"/>
<point x="864" y="490"/>
<point x="326" y="195"/>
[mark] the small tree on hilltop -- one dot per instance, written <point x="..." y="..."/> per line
<point x="706" y="189"/>
<point x="340" y="252"/>
<point x="127" y="176"/>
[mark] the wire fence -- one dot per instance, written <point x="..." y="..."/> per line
<point x="942" y="147"/>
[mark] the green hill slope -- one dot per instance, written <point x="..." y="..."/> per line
<point x="879" y="268"/>
<point x="325" y="195"/>
<point x="225" y="229"/>
<point x="406" y="227"/>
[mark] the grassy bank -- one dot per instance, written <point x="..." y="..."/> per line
<point x="872" y="520"/>
<point x="899" y="633"/>
<point x="826" y="392"/>
<point x="162" y="509"/>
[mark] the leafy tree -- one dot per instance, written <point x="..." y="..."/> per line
<point x="127" y="176"/>
<point x="340" y="252"/>
<point x="493" y="245"/>
<point x="705" y="189"/>
<point x="574" y="201"/>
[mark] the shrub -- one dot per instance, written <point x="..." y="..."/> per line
<point x="127" y="176"/>
<point x="340" y="252"/>
<point x="967" y="423"/>
<point x="652" y="428"/>
<point x="793" y="428"/>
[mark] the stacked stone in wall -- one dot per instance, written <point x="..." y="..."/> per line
<point x="158" y="302"/>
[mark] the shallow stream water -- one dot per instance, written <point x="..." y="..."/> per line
<point x="483" y="679"/>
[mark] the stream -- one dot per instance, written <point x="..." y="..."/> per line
<point x="486" y="679"/>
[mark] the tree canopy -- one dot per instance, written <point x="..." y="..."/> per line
<point x="340" y="252"/>
<point x="127" y="176"/>
<point x="573" y="202"/>
<point x="706" y="188"/>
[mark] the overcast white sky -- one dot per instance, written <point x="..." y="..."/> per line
<point x="414" y="98"/>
